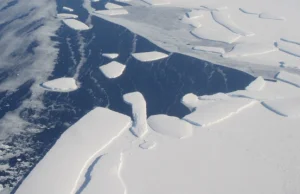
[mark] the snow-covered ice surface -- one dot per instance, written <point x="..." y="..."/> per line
<point x="270" y="16"/>
<point x="217" y="50"/>
<point x="113" y="69"/>
<point x="257" y="85"/>
<point x="149" y="56"/>
<point x="243" y="50"/>
<point x="68" y="9"/>
<point x="139" y="112"/>
<point x="110" y="55"/>
<point x="170" y="126"/>
<point x="290" y="78"/>
<point x="74" y="151"/>
<point x="112" y="6"/>
<point x="157" y="2"/>
<point x="289" y="107"/>
<point x="110" y="12"/>
<point x="65" y="84"/>
<point x="75" y="24"/>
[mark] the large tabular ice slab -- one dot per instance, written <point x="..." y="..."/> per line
<point x="223" y="35"/>
<point x="257" y="85"/>
<point x="170" y="126"/>
<point x="68" y="9"/>
<point x="139" y="111"/>
<point x="111" y="12"/>
<point x="209" y="112"/>
<point x="157" y="2"/>
<point x="75" y="24"/>
<point x="66" y="16"/>
<point x="289" y="107"/>
<point x="149" y="56"/>
<point x="270" y="16"/>
<point x="112" y="6"/>
<point x="210" y="49"/>
<point x="289" y="78"/>
<point x="65" y="84"/>
<point x="113" y="69"/>
<point x="67" y="160"/>
<point x="245" y="49"/>
<point x="289" y="48"/>
<point x="224" y="19"/>
<point x="105" y="176"/>
<point x="110" y="55"/>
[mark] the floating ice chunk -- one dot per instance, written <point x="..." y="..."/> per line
<point x="289" y="107"/>
<point x="210" y="49"/>
<point x="66" y="16"/>
<point x="74" y="151"/>
<point x="157" y="2"/>
<point x="113" y="6"/>
<point x="75" y="24"/>
<point x="221" y="35"/>
<point x="246" y="11"/>
<point x="110" y="55"/>
<point x="257" y="85"/>
<point x="194" y="14"/>
<point x="113" y="69"/>
<point x="224" y="19"/>
<point x="139" y="112"/>
<point x="212" y="112"/>
<point x="111" y="12"/>
<point x="68" y="9"/>
<point x="65" y="84"/>
<point x="190" y="101"/>
<point x="170" y="126"/>
<point x="289" y="48"/>
<point x="148" y="145"/>
<point x="270" y="16"/>
<point x="105" y="176"/>
<point x="248" y="49"/>
<point x="149" y="56"/>
<point x="289" y="78"/>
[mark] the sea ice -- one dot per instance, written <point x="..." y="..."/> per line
<point x="68" y="9"/>
<point x="221" y="35"/>
<point x="65" y="84"/>
<point x="170" y="126"/>
<point x="190" y="101"/>
<point x="246" y="11"/>
<point x="113" y="6"/>
<point x="289" y="107"/>
<point x="247" y="49"/>
<point x="194" y="14"/>
<point x="74" y="151"/>
<point x="113" y="69"/>
<point x="75" y="24"/>
<point x="224" y="19"/>
<point x="139" y="111"/>
<point x="66" y="16"/>
<point x="217" y="50"/>
<point x="257" y="85"/>
<point x="270" y="16"/>
<point x="148" y="145"/>
<point x="149" y="56"/>
<point x="110" y="55"/>
<point x="110" y="12"/>
<point x="289" y="48"/>
<point x="297" y="41"/>
<point x="213" y="7"/>
<point x="289" y="78"/>
<point x="157" y="2"/>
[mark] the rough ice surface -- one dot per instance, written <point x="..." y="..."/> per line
<point x="76" y="25"/>
<point x="139" y="112"/>
<point x="244" y="50"/>
<point x="170" y="126"/>
<point x="110" y="12"/>
<point x="217" y="50"/>
<point x="66" y="16"/>
<point x="149" y="56"/>
<point x="270" y="16"/>
<point x="66" y="161"/>
<point x="289" y="107"/>
<point x="289" y="48"/>
<point x="290" y="78"/>
<point x="68" y="9"/>
<point x="113" y="69"/>
<point x="110" y="55"/>
<point x="221" y="35"/>
<point x="257" y="85"/>
<point x="112" y="6"/>
<point x="65" y="84"/>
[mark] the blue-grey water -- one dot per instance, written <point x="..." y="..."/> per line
<point x="163" y="83"/>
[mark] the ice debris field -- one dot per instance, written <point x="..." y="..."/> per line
<point x="245" y="141"/>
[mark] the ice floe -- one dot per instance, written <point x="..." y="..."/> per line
<point x="111" y="12"/>
<point x="289" y="48"/>
<point x="149" y="56"/>
<point x="110" y="55"/>
<point x="157" y="2"/>
<point x="244" y="50"/>
<point x="66" y="16"/>
<point x="270" y="16"/>
<point x="75" y="24"/>
<point x="224" y="19"/>
<point x="289" y="107"/>
<point x="74" y="151"/>
<point x="113" y="69"/>
<point x="113" y="6"/>
<point x="139" y="111"/>
<point x="170" y="126"/>
<point x="210" y="49"/>
<point x="257" y="85"/>
<point x="68" y="9"/>
<point x="148" y="145"/>
<point x="65" y="84"/>
<point x="289" y="78"/>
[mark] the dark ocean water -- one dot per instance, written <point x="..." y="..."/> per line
<point x="163" y="83"/>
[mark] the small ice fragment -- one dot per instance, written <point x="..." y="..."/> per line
<point x="68" y="9"/>
<point x="149" y="56"/>
<point x="110" y="55"/>
<point x="110" y="12"/>
<point x="113" y="69"/>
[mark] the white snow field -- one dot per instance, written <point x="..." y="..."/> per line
<point x="149" y="56"/>
<point x="139" y="112"/>
<point x="157" y="2"/>
<point x="257" y="85"/>
<point x="110" y="55"/>
<point x="110" y="12"/>
<point x="65" y="84"/>
<point x="216" y="50"/>
<point x="290" y="78"/>
<point x="66" y="16"/>
<point x="270" y="16"/>
<point x="170" y="126"/>
<point x="76" y="25"/>
<point x="289" y="107"/>
<point x="113" y="69"/>
<point x="289" y="48"/>
<point x="243" y="50"/>
<point x="66" y="161"/>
